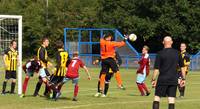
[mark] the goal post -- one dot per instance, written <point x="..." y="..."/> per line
<point x="11" y="28"/>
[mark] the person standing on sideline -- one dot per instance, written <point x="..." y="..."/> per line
<point x="166" y="63"/>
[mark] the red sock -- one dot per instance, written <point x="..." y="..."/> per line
<point x="76" y="90"/>
<point x="145" y="87"/>
<point x="140" y="89"/>
<point x="25" y="85"/>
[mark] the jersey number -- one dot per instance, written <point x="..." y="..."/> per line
<point x="73" y="62"/>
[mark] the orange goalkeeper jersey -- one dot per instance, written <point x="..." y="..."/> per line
<point x="108" y="48"/>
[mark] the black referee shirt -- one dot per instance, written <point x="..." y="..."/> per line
<point x="167" y="61"/>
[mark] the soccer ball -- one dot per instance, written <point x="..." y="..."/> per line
<point x="132" y="37"/>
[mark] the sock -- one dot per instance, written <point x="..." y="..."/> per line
<point x="25" y="85"/>
<point x="76" y="90"/>
<point x="140" y="88"/>
<point x="106" y="88"/>
<point x="37" y="88"/>
<point x="47" y="89"/>
<point x="145" y="87"/>
<point x="98" y="87"/>
<point x="4" y="86"/>
<point x="179" y="89"/>
<point x="171" y="106"/>
<point x="182" y="91"/>
<point x="156" y="105"/>
<point x="59" y="87"/>
<point x="102" y="81"/>
<point x="12" y="87"/>
<point x="118" y="78"/>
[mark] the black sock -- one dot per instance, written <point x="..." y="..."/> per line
<point x="156" y="104"/>
<point x="46" y="90"/>
<point x="4" y="87"/>
<point x="12" y="87"/>
<point x="171" y="106"/>
<point x="98" y="87"/>
<point x="106" y="88"/>
<point x="37" y="88"/>
<point x="182" y="91"/>
<point x="54" y="94"/>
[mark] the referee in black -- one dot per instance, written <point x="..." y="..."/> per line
<point x="166" y="63"/>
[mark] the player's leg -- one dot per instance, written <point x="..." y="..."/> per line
<point x="144" y="86"/>
<point x="105" y="68"/>
<point x="24" y="87"/>
<point x="76" y="88"/>
<point x="39" y="83"/>
<point x="179" y="81"/>
<point x="13" y="83"/>
<point x="160" y="91"/>
<point x="107" y="82"/>
<point x="98" y="86"/>
<point x="119" y="80"/>
<point x="7" y="77"/>
<point x="156" y="102"/>
<point x="139" y="82"/>
<point x="171" y="92"/>
<point x="46" y="91"/>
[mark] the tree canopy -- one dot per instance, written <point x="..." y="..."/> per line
<point x="151" y="20"/>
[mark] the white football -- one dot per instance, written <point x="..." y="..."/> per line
<point x="132" y="37"/>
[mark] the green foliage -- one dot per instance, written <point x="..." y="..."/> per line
<point x="149" y="19"/>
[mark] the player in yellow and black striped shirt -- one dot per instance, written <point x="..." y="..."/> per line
<point x="186" y="60"/>
<point x="10" y="60"/>
<point x="62" y="60"/>
<point x="42" y="56"/>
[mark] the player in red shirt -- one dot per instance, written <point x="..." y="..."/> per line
<point x="143" y="71"/>
<point x="73" y="73"/>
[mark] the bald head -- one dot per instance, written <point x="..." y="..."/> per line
<point x="167" y="42"/>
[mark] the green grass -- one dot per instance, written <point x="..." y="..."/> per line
<point x="117" y="99"/>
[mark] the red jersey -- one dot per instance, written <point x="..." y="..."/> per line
<point x="73" y="68"/>
<point x="144" y="65"/>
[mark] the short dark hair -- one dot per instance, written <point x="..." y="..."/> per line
<point x="108" y="35"/>
<point x="59" y="44"/>
<point x="12" y="41"/>
<point x="44" y="39"/>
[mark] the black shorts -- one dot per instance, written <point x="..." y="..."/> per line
<point x="109" y="63"/>
<point x="10" y="74"/>
<point x="47" y="73"/>
<point x="56" y="79"/>
<point x="166" y="90"/>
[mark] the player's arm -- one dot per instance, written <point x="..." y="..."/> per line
<point x="119" y="59"/>
<point x="87" y="71"/>
<point x="187" y="58"/>
<point x="5" y="58"/>
<point x="42" y="55"/>
<point x="58" y="60"/>
<point x="181" y="64"/>
<point x="156" y="71"/>
<point x="118" y="44"/>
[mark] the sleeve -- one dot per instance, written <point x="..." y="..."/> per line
<point x="157" y="62"/>
<point x="180" y="61"/>
<point x="187" y="57"/>
<point x="68" y="61"/>
<point x="58" y="60"/>
<point x="118" y="44"/>
<point x="119" y="59"/>
<point x="42" y="55"/>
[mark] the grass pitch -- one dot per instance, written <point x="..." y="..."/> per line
<point x="117" y="99"/>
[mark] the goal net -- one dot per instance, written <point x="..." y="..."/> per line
<point x="11" y="29"/>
